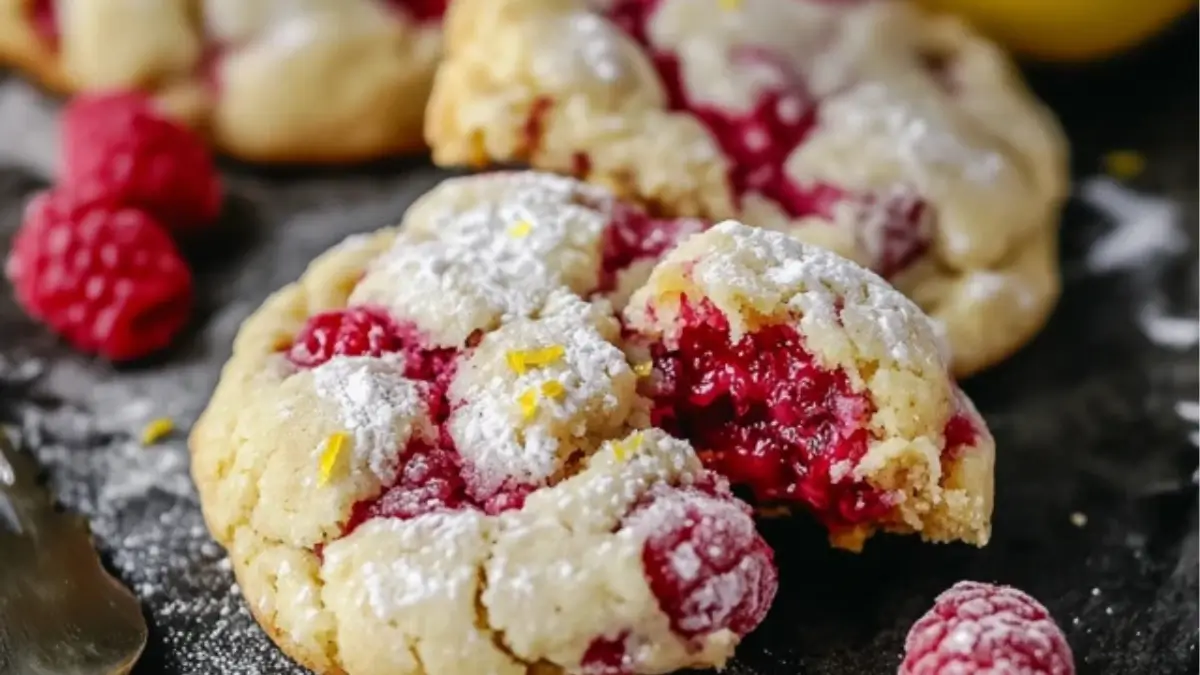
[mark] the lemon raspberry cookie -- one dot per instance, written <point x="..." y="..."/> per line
<point x="433" y="453"/>
<point x="898" y="138"/>
<point x="268" y="80"/>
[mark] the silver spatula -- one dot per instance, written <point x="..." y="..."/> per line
<point x="61" y="613"/>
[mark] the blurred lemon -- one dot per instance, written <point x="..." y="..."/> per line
<point x="1068" y="30"/>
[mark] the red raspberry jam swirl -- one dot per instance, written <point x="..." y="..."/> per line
<point x="632" y="236"/>
<point x="43" y="14"/>
<point x="763" y="413"/>
<point x="424" y="11"/>
<point x="894" y="231"/>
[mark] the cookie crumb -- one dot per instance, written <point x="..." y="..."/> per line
<point x="1124" y="164"/>
<point x="157" y="430"/>
<point x="1079" y="519"/>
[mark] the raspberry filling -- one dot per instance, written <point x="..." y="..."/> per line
<point x="960" y="433"/>
<point x="424" y="11"/>
<point x="763" y="413"/>
<point x="758" y="141"/>
<point x="44" y="16"/>
<point x="369" y="331"/>
<point x="430" y="481"/>
<point x="633" y="236"/>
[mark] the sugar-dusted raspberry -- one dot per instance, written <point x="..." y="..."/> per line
<point x="355" y="331"/>
<point x="981" y="628"/>
<point x="117" y="148"/>
<point x="108" y="278"/>
<point x="706" y="563"/>
<point x="430" y="481"/>
<point x="762" y="412"/>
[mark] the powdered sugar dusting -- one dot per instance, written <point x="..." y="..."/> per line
<point x="1144" y="227"/>
<point x="501" y="440"/>
<point x="825" y="289"/>
<point x="377" y="406"/>
<point x="873" y="110"/>
<point x="460" y="270"/>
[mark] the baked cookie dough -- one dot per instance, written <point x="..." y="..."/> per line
<point x="267" y="80"/>
<point x="443" y="450"/>
<point x="895" y="137"/>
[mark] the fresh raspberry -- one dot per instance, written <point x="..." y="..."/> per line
<point x="981" y="629"/>
<point x="118" y="149"/>
<point x="108" y="278"/>
<point x="355" y="331"/>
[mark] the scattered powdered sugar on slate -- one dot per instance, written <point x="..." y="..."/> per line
<point x="1144" y="227"/>
<point x="1173" y="332"/>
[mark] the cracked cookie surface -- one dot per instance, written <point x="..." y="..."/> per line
<point x="435" y="447"/>
<point x="268" y="80"/>
<point x="894" y="137"/>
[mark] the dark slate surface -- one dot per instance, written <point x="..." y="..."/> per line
<point x="1085" y="418"/>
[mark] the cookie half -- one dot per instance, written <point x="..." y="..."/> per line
<point x="897" y="138"/>
<point x="812" y="384"/>
<point x="267" y="80"/>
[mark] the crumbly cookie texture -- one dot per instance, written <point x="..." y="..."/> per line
<point x="814" y="383"/>
<point x="897" y="138"/>
<point x="441" y="441"/>
<point x="268" y="80"/>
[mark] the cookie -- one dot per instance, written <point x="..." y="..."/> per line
<point x="437" y="451"/>
<point x="270" y="80"/>
<point x="897" y="138"/>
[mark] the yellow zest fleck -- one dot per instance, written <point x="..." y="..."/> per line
<point x="643" y="369"/>
<point x="528" y="403"/>
<point x="1124" y="164"/>
<point x="730" y="5"/>
<point x="329" y="457"/>
<point x="521" y="360"/>
<point x="520" y="229"/>
<point x="157" y="430"/>
<point x="553" y="389"/>
<point x="477" y="156"/>
<point x="625" y="449"/>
